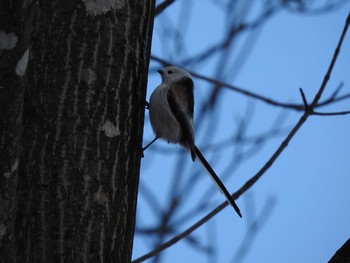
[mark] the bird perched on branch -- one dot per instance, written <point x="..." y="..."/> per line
<point x="171" y="113"/>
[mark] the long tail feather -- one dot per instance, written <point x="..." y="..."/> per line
<point x="217" y="181"/>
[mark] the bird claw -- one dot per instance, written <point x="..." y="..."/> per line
<point x="146" y="105"/>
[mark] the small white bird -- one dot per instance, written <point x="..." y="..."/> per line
<point x="171" y="113"/>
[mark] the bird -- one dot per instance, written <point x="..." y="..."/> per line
<point x="171" y="108"/>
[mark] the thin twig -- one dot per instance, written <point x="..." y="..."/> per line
<point x="304" y="98"/>
<point x="335" y="93"/>
<point x="232" y="33"/>
<point x="300" y="7"/>
<point x="332" y="100"/>
<point x="331" y="113"/>
<point x="161" y="7"/>
<point x="329" y="71"/>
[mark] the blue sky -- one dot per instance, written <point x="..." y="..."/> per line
<point x="307" y="189"/>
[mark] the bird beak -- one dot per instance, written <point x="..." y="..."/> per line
<point x="160" y="71"/>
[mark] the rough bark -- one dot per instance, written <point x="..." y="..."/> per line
<point x="71" y="130"/>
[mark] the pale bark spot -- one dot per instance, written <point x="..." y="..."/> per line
<point x="7" y="41"/>
<point x="110" y="129"/>
<point x="99" y="7"/>
<point x="22" y="64"/>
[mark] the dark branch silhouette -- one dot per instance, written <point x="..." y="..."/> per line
<point x="161" y="7"/>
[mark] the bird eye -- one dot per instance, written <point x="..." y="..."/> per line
<point x="170" y="72"/>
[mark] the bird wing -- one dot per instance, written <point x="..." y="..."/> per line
<point x="180" y="98"/>
<point x="183" y="91"/>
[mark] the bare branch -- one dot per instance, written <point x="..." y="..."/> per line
<point x="335" y="56"/>
<point x="301" y="6"/>
<point x="254" y="227"/>
<point x="331" y="113"/>
<point x="304" y="98"/>
<point x="161" y="7"/>
<point x="267" y="165"/>
<point x="298" y="107"/>
<point x="332" y="100"/>
<point x="335" y="93"/>
<point x="233" y="32"/>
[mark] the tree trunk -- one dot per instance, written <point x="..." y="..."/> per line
<point x="71" y="127"/>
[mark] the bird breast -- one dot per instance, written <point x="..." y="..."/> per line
<point x="162" y="119"/>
